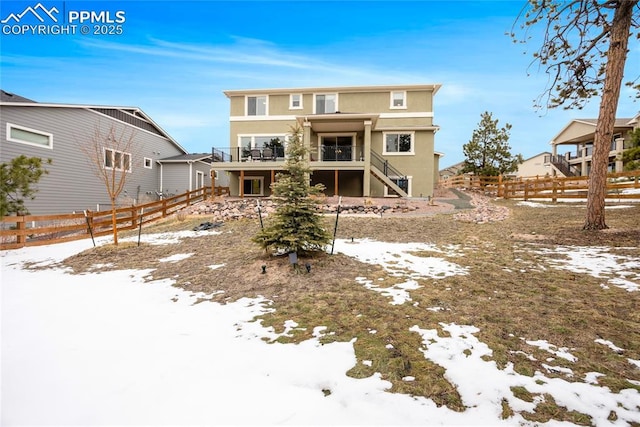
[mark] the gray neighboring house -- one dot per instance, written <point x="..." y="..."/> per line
<point x="157" y="164"/>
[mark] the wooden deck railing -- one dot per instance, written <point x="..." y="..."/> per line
<point x="552" y="188"/>
<point x="34" y="230"/>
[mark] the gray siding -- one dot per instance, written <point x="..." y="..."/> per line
<point x="72" y="184"/>
<point x="175" y="178"/>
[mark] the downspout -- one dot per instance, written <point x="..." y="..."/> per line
<point x="161" y="176"/>
<point x="190" y="176"/>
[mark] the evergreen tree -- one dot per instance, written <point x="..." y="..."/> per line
<point x="17" y="179"/>
<point x="296" y="223"/>
<point x="631" y="156"/>
<point x="488" y="152"/>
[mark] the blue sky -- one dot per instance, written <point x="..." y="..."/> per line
<point x="174" y="59"/>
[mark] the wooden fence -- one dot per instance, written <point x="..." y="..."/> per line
<point x="34" y="230"/>
<point x="619" y="186"/>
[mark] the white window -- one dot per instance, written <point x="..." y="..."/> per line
<point x="28" y="136"/>
<point x="148" y="163"/>
<point x="295" y="101"/>
<point x="257" y="105"/>
<point x="398" y="143"/>
<point x="399" y="100"/>
<point x="114" y="159"/>
<point x="326" y="103"/>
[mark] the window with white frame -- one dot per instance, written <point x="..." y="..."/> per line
<point x="148" y="163"/>
<point x="295" y="101"/>
<point x="118" y="160"/>
<point x="28" y="136"/>
<point x="399" y="99"/>
<point x="398" y="143"/>
<point x="257" y="105"/>
<point x="326" y="103"/>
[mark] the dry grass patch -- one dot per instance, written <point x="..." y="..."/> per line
<point x="512" y="294"/>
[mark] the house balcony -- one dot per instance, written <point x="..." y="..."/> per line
<point x="323" y="157"/>
<point x="579" y="160"/>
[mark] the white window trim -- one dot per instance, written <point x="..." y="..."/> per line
<point x="404" y="98"/>
<point x="246" y="105"/>
<point x="26" y="129"/>
<point x="326" y="93"/>
<point x="251" y="178"/>
<point x="409" y="185"/>
<point x="104" y="159"/>
<point x="144" y="163"/>
<point x="291" y="107"/>
<point x="397" y="153"/>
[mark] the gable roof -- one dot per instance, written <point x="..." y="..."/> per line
<point x="133" y="116"/>
<point x="187" y="158"/>
<point x="12" y="97"/>
<point x="544" y="153"/>
<point x="619" y="123"/>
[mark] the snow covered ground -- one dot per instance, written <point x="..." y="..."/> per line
<point x="109" y="348"/>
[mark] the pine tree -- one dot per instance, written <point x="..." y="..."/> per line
<point x="296" y="223"/>
<point x="488" y="151"/>
<point x="17" y="179"/>
<point x="631" y="156"/>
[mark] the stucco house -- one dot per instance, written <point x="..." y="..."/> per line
<point x="537" y="165"/>
<point x="576" y="140"/>
<point x="370" y="141"/>
<point x="157" y="164"/>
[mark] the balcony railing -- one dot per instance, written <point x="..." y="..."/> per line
<point x="327" y="154"/>
<point x="243" y="154"/>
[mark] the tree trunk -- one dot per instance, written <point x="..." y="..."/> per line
<point x="114" y="222"/>
<point x="616" y="58"/>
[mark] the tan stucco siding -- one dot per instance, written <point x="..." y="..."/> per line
<point x="279" y="105"/>
<point x="399" y="122"/>
<point x="279" y="127"/>
<point x="236" y="106"/>
<point x="380" y="102"/>
<point x="417" y="165"/>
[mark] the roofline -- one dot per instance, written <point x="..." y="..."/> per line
<point x="585" y="122"/>
<point x="342" y="89"/>
<point x="88" y="106"/>
<point x="198" y="159"/>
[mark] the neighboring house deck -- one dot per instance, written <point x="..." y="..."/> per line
<point x="363" y="141"/>
<point x="579" y="135"/>
<point x="157" y="164"/>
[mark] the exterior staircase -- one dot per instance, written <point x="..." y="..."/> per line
<point x="561" y="164"/>
<point x="382" y="170"/>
